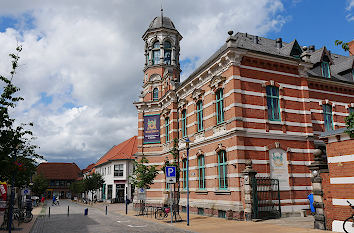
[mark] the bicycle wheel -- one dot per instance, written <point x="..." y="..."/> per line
<point x="28" y="217"/>
<point x="160" y="214"/>
<point x="348" y="225"/>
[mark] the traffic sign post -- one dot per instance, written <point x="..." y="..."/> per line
<point x="171" y="179"/>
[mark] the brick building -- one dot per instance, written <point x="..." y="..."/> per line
<point x="254" y="99"/>
<point x="333" y="181"/>
<point x="60" y="176"/>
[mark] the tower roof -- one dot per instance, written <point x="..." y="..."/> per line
<point x="162" y="22"/>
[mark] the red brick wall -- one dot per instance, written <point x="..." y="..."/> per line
<point x="336" y="149"/>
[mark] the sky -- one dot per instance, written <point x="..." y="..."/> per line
<point x="81" y="65"/>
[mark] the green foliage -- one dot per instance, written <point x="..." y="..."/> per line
<point x="345" y="46"/>
<point x="77" y="187"/>
<point x="17" y="154"/>
<point x="174" y="152"/>
<point x="93" y="182"/>
<point x="349" y="121"/>
<point x="40" y="184"/>
<point x="143" y="175"/>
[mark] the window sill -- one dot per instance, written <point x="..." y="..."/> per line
<point x="222" y="192"/>
<point x="201" y="192"/>
<point x="275" y="122"/>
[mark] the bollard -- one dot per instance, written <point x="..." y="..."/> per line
<point x="68" y="210"/>
<point x="106" y="210"/>
<point x="86" y="211"/>
<point x="49" y="212"/>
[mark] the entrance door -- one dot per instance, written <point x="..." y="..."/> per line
<point x="104" y="191"/>
<point x="120" y="193"/>
<point x="109" y="192"/>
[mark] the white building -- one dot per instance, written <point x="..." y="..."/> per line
<point x="115" y="167"/>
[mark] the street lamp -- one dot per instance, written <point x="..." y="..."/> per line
<point x="187" y="180"/>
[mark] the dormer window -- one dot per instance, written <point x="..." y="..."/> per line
<point x="156" y="53"/>
<point x="155" y="94"/>
<point x="167" y="53"/>
<point x="325" y="69"/>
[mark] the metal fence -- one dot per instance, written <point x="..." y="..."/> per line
<point x="266" y="198"/>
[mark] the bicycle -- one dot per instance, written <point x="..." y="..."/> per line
<point x="349" y="220"/>
<point x="162" y="212"/>
<point x="22" y="215"/>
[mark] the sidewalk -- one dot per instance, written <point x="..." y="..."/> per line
<point x="25" y="227"/>
<point x="205" y="224"/>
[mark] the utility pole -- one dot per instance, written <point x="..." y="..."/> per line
<point x="187" y="145"/>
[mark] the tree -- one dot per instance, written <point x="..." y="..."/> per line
<point x="40" y="184"/>
<point x="93" y="182"/>
<point x="143" y="175"/>
<point x="345" y="46"/>
<point x="349" y="121"/>
<point x="77" y="187"/>
<point x="17" y="154"/>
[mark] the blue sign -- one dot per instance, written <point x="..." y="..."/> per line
<point x="25" y="192"/>
<point x="170" y="172"/>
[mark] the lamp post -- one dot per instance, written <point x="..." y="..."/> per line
<point x="187" y="180"/>
<point x="12" y="193"/>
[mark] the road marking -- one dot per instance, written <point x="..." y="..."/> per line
<point x="136" y="226"/>
<point x="123" y="221"/>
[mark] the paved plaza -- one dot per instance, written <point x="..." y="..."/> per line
<point x="95" y="221"/>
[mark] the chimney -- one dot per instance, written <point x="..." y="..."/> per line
<point x="312" y="48"/>
<point x="305" y="56"/>
<point x="351" y="48"/>
<point x="279" y="43"/>
<point x="255" y="39"/>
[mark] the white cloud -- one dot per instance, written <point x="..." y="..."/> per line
<point x="90" y="55"/>
<point x="350" y="16"/>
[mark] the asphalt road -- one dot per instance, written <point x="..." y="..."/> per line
<point x="95" y="221"/>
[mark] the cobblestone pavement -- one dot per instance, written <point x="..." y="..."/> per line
<point x="95" y="221"/>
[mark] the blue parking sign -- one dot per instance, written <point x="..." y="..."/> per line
<point x="171" y="171"/>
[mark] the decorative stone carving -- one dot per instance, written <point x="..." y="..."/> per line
<point x="182" y="104"/>
<point x="197" y="94"/>
<point x="219" y="129"/>
<point x="216" y="82"/>
<point x="165" y="112"/>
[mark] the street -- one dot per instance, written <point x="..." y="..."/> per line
<point x="95" y="221"/>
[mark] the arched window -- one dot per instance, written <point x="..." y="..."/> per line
<point x="167" y="52"/>
<point x="219" y="106"/>
<point x="273" y="103"/>
<point x="200" y="115"/>
<point x="155" y="94"/>
<point x="201" y="172"/>
<point x="184" y="123"/>
<point x="167" y="128"/>
<point x="184" y="173"/>
<point x="327" y="115"/>
<point x="222" y="169"/>
<point x="156" y="53"/>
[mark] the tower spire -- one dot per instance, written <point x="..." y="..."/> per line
<point x="161" y="13"/>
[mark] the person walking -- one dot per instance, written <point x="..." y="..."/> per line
<point x="54" y="200"/>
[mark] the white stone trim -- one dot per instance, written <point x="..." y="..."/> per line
<point x="342" y="202"/>
<point x="269" y="71"/>
<point x="337" y="226"/>
<point x="342" y="180"/>
<point x="341" y="159"/>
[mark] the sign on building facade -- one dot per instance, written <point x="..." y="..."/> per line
<point x="279" y="167"/>
<point x="152" y="129"/>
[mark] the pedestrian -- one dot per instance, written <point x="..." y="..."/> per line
<point x="54" y="199"/>
<point x="42" y="200"/>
